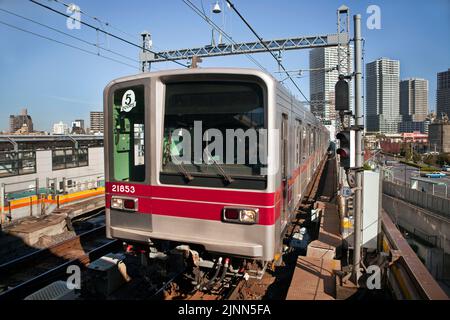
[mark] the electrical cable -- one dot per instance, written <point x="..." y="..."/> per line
<point x="105" y="32"/>
<point x="267" y="48"/>
<point x="67" y="44"/>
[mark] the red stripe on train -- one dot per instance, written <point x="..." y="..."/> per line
<point x="194" y="210"/>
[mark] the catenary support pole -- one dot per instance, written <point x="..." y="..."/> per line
<point x="359" y="149"/>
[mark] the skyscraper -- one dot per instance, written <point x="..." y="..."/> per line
<point x="323" y="78"/>
<point x="96" y="118"/>
<point x="19" y="121"/>
<point x="414" y="99"/>
<point x="382" y="96"/>
<point x="443" y="93"/>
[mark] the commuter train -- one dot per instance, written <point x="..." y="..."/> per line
<point x="216" y="158"/>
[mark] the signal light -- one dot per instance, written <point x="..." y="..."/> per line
<point x="341" y="93"/>
<point x="346" y="150"/>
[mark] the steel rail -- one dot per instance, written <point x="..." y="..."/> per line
<point x="29" y="286"/>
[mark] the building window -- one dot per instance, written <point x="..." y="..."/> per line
<point x="69" y="158"/>
<point x="17" y="163"/>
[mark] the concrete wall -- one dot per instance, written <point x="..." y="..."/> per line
<point x="424" y="224"/>
<point x="414" y="218"/>
<point x="438" y="205"/>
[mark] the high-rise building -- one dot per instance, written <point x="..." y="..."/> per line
<point x="439" y="137"/>
<point x="60" y="128"/>
<point x="96" y="118"/>
<point x="323" y="77"/>
<point x="382" y="96"/>
<point x="443" y="93"/>
<point x="77" y="127"/>
<point x="21" y="122"/>
<point x="414" y="99"/>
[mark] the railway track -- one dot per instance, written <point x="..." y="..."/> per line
<point x="25" y="275"/>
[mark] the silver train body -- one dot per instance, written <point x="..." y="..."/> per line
<point x="150" y="197"/>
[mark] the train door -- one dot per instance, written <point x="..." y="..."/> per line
<point x="128" y="156"/>
<point x="284" y="171"/>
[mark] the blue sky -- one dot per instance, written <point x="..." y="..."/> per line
<point x="59" y="83"/>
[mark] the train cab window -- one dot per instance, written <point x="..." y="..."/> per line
<point x="213" y="128"/>
<point x="128" y="134"/>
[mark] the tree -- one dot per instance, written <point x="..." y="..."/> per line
<point x="416" y="157"/>
<point x="408" y="153"/>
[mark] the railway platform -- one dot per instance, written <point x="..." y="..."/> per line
<point x="314" y="274"/>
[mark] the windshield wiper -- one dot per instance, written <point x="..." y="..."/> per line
<point x="227" y="177"/>
<point x="182" y="169"/>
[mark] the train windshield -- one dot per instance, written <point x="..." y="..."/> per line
<point x="215" y="130"/>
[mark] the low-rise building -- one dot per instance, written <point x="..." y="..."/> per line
<point x="32" y="166"/>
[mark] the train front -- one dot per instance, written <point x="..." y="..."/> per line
<point x="186" y="161"/>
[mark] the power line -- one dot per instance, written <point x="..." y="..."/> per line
<point x="267" y="48"/>
<point x="103" y="31"/>
<point x="67" y="44"/>
<point x="106" y="23"/>
<point x="203" y="15"/>
<point x="69" y="35"/>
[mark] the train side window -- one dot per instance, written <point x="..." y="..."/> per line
<point x="304" y="145"/>
<point x="298" y="142"/>
<point x="128" y="134"/>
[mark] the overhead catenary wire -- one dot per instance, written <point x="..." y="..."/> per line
<point x="106" y="23"/>
<point x="69" y="35"/>
<point x="202" y="14"/>
<point x="104" y="32"/>
<point x="67" y="44"/>
<point x="267" y="48"/>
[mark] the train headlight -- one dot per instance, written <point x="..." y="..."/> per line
<point x="248" y="216"/>
<point x="240" y="215"/>
<point x="127" y="204"/>
<point x="116" y="203"/>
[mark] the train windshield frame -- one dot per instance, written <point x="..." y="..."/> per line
<point x="215" y="134"/>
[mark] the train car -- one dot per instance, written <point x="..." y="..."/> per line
<point x="164" y="180"/>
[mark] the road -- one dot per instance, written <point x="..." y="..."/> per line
<point x="402" y="174"/>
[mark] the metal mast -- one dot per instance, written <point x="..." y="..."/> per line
<point x="358" y="148"/>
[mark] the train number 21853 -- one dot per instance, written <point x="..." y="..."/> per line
<point x="122" y="188"/>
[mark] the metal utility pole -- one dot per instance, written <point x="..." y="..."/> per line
<point x="145" y="55"/>
<point x="358" y="149"/>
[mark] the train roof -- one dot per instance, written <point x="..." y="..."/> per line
<point x="242" y="71"/>
<point x="268" y="78"/>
